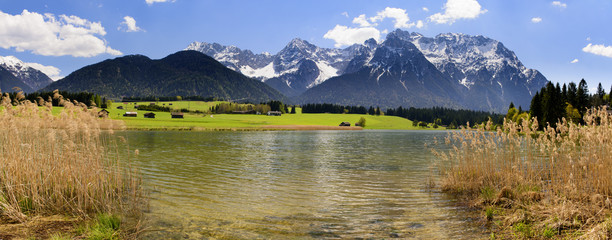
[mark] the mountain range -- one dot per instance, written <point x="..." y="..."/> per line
<point x="15" y="73"/>
<point x="185" y="73"/>
<point x="407" y="69"/>
<point x="296" y="68"/>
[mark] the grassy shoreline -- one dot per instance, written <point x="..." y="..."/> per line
<point x="552" y="185"/>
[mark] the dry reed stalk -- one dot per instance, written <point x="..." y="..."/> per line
<point x="61" y="164"/>
<point x="570" y="165"/>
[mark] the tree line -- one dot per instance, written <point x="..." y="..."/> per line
<point x="445" y="116"/>
<point x="166" y="99"/>
<point x="570" y="101"/>
<point x="228" y="108"/>
<point x="332" y="108"/>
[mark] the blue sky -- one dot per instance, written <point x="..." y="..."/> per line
<point x="565" y="40"/>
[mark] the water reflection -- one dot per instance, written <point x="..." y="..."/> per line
<point x="279" y="185"/>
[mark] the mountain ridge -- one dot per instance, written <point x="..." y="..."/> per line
<point x="184" y="73"/>
<point x="297" y="67"/>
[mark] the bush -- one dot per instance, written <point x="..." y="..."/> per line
<point x="362" y="122"/>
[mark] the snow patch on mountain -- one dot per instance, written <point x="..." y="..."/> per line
<point x="263" y="73"/>
<point x="34" y="75"/>
<point x="326" y="71"/>
<point x="466" y="83"/>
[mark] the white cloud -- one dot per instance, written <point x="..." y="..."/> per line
<point x="51" y="71"/>
<point x="150" y="2"/>
<point x="345" y="36"/>
<point x="345" y="14"/>
<point x="385" y="31"/>
<point x="588" y="38"/>
<point x="420" y="24"/>
<point x="399" y="15"/>
<point x="362" y="21"/>
<point x="129" y="25"/>
<point x="598" y="49"/>
<point x="536" y="19"/>
<point x="425" y="9"/>
<point x="574" y="61"/>
<point x="559" y="4"/>
<point x="53" y="36"/>
<point x="458" y="9"/>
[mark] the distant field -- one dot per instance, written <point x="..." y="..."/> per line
<point x="163" y="120"/>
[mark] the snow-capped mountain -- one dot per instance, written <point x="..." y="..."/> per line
<point x="33" y="78"/>
<point x="297" y="67"/>
<point x="393" y="73"/>
<point x="407" y="69"/>
<point x="488" y="70"/>
<point x="451" y="70"/>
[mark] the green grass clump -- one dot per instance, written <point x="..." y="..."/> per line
<point x="106" y="227"/>
<point x="487" y="194"/>
<point x="523" y="230"/>
<point x="548" y="232"/>
<point x="489" y="212"/>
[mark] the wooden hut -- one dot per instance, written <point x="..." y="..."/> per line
<point x="149" y="115"/>
<point x="176" y="114"/>
<point x="130" y="114"/>
<point x="274" y="113"/>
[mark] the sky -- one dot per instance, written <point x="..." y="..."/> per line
<point x="565" y="40"/>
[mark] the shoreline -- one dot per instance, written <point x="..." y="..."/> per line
<point x="267" y="128"/>
<point x="246" y="129"/>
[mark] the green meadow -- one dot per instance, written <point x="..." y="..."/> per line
<point x="191" y="121"/>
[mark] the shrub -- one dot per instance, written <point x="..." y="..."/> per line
<point x="362" y="122"/>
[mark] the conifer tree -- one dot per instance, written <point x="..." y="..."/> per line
<point x="371" y="111"/>
<point x="535" y="109"/>
<point x="582" y="97"/>
<point x="572" y="94"/>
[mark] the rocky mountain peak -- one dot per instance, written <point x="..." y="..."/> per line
<point x="30" y="76"/>
<point x="371" y="43"/>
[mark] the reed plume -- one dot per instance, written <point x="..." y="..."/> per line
<point x="63" y="164"/>
<point x="556" y="177"/>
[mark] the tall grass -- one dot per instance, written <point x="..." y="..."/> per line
<point x="65" y="164"/>
<point x="560" y="177"/>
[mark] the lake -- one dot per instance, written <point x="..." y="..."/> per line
<point x="295" y="185"/>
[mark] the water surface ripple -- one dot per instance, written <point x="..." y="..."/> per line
<point x="295" y="185"/>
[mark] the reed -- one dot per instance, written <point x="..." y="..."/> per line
<point x="559" y="178"/>
<point x="65" y="164"/>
